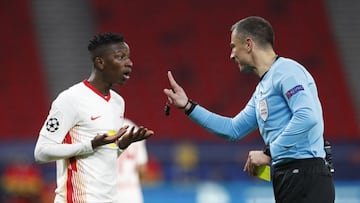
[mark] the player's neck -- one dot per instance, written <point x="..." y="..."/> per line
<point x="98" y="84"/>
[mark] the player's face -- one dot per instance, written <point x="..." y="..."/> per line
<point x="239" y="52"/>
<point x="117" y="63"/>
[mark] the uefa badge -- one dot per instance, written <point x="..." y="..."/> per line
<point x="263" y="108"/>
<point x="52" y="125"/>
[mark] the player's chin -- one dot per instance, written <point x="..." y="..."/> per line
<point x="123" y="80"/>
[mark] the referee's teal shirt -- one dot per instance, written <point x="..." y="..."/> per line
<point x="284" y="107"/>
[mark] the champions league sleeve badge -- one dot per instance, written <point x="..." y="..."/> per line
<point x="294" y="90"/>
<point x="52" y="125"/>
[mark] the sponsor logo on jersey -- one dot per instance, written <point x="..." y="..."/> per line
<point x="94" y="117"/>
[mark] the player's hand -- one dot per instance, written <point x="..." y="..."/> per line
<point x="255" y="159"/>
<point x="133" y="136"/>
<point x="103" y="139"/>
<point x="176" y="94"/>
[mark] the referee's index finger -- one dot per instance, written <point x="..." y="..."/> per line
<point x="171" y="79"/>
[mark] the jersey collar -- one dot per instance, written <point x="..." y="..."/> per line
<point x="276" y="58"/>
<point x="106" y="97"/>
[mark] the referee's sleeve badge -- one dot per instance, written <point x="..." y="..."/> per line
<point x="294" y="90"/>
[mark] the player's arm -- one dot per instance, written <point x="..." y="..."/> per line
<point x="50" y="145"/>
<point x="48" y="150"/>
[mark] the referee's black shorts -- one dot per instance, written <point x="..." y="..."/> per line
<point x="303" y="181"/>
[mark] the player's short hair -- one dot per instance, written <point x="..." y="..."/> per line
<point x="256" y="27"/>
<point x="101" y="40"/>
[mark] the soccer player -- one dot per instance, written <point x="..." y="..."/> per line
<point x="84" y="131"/>
<point x="284" y="107"/>
<point x="132" y="164"/>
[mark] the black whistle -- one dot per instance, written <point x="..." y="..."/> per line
<point x="167" y="109"/>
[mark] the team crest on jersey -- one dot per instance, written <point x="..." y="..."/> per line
<point x="52" y="125"/>
<point x="263" y="108"/>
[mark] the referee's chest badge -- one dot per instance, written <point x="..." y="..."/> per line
<point x="263" y="108"/>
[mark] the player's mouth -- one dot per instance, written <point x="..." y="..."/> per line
<point x="126" y="74"/>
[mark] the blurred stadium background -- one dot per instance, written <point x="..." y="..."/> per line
<point x="44" y="50"/>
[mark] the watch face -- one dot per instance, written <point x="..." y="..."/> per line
<point x="267" y="150"/>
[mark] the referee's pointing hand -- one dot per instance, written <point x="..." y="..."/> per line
<point x="176" y="94"/>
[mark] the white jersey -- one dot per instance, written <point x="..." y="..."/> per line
<point x="129" y="187"/>
<point x="77" y="115"/>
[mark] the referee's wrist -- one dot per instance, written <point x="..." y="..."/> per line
<point x="266" y="150"/>
<point x="190" y="106"/>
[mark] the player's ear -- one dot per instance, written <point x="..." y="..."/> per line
<point x="99" y="62"/>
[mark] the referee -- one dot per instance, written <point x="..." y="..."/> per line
<point x="284" y="107"/>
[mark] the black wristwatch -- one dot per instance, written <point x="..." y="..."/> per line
<point x="192" y="107"/>
<point x="266" y="150"/>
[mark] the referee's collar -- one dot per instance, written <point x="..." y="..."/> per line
<point x="277" y="57"/>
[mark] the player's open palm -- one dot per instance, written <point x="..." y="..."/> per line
<point x="133" y="136"/>
<point x="103" y="139"/>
